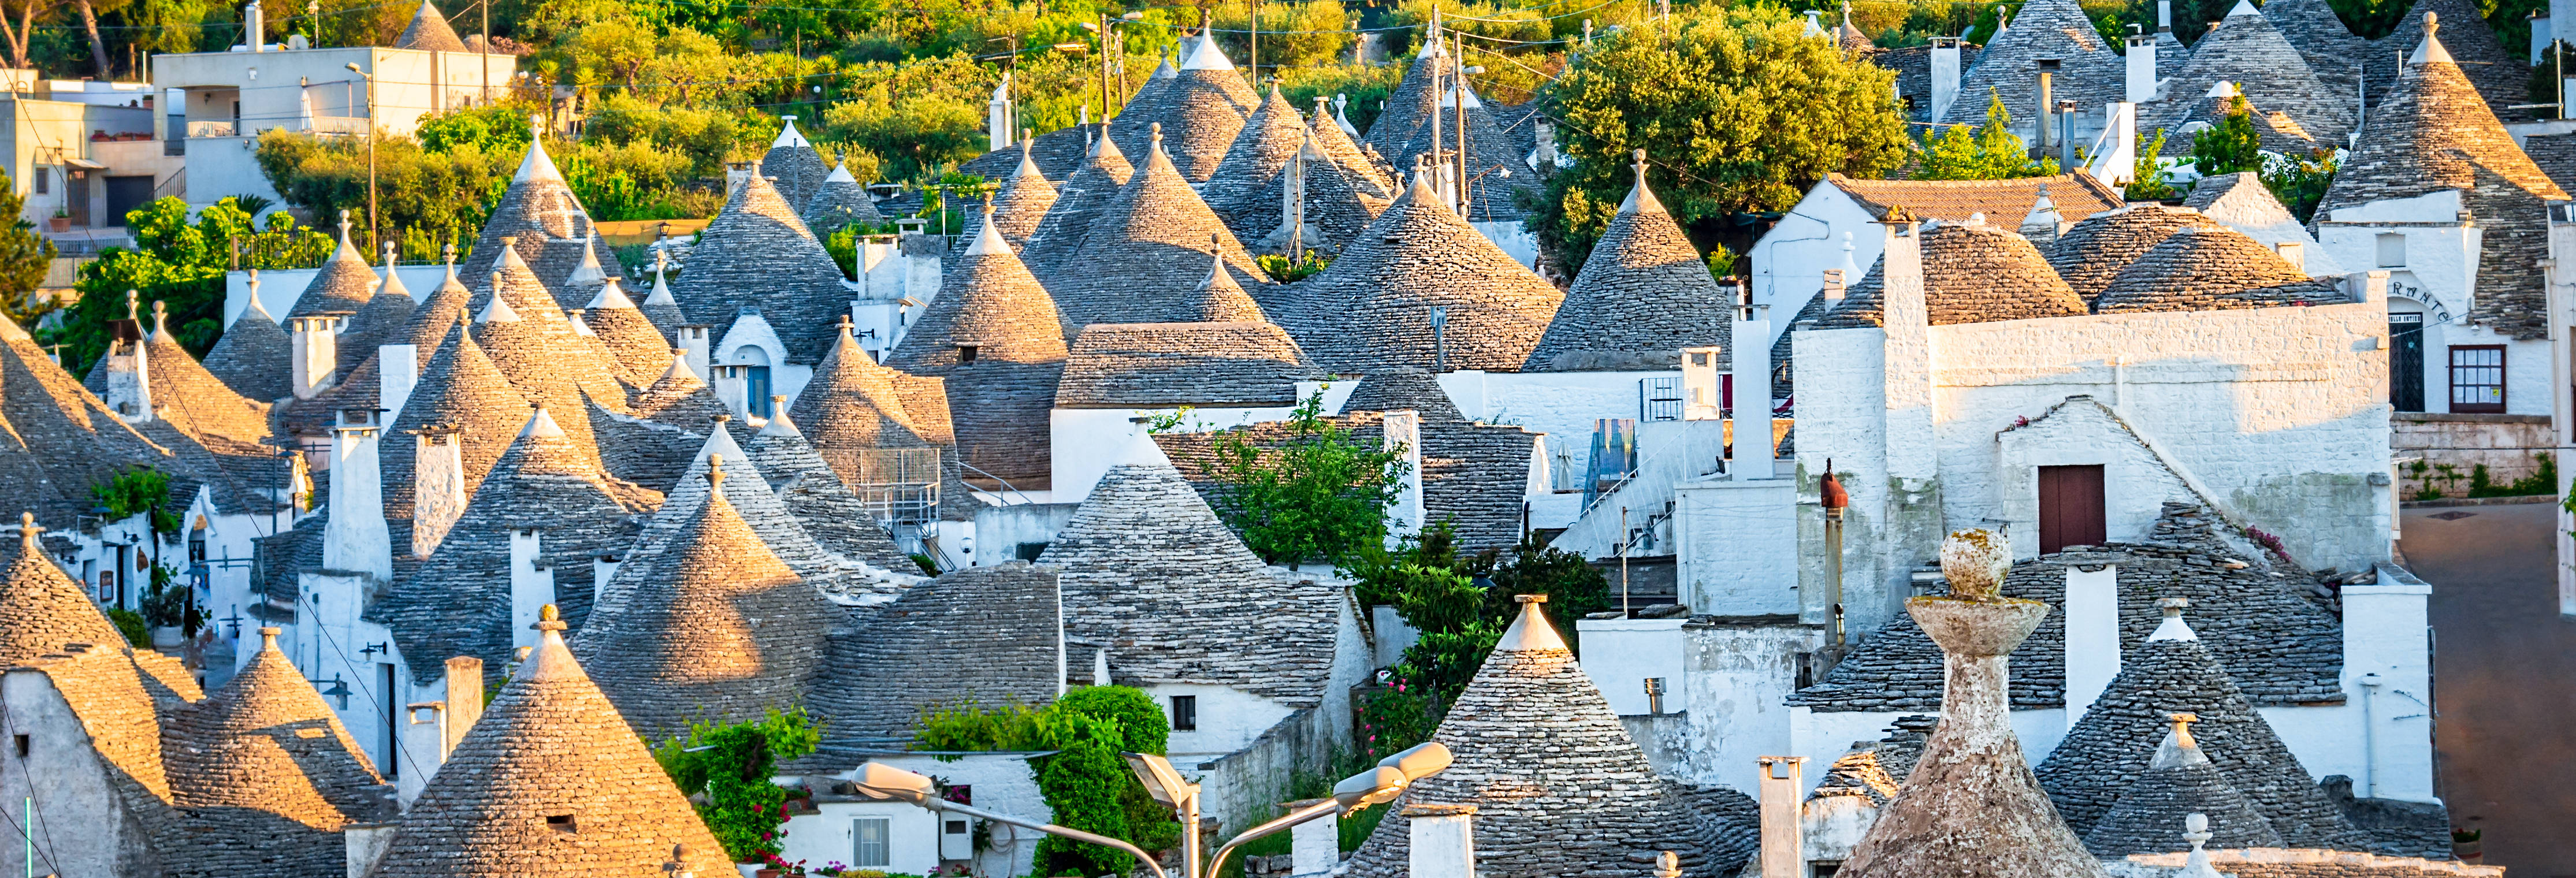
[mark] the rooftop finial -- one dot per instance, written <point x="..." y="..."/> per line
<point x="1668" y="865"/>
<point x="268" y="638"/>
<point x="344" y="227"/>
<point x="133" y="304"/>
<point x="550" y="620"/>
<point x="2182" y="728"/>
<point x="160" y="317"/>
<point x="27" y="531"/>
<point x="1975" y="561"/>
<point x="715" y="473"/>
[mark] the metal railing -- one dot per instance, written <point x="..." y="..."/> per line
<point x="212" y="129"/>
<point x="897" y="485"/>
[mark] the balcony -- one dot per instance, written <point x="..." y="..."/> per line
<point x="211" y="129"/>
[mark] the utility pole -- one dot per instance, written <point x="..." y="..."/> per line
<point x="487" y="52"/>
<point x="371" y="151"/>
<point x="1437" y="52"/>
<point x="1461" y="100"/>
<point x="1254" y="56"/>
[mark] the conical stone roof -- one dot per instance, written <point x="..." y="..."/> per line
<point x="41" y="608"/>
<point x="1271" y="137"/>
<point x="429" y="32"/>
<point x="636" y="348"/>
<point x="1973" y="272"/>
<point x="1337" y="143"/>
<point x="1023" y="201"/>
<point x="1400" y="389"/>
<point x="659" y="305"/>
<point x="1146" y="251"/>
<point x="547" y="333"/>
<point x="2503" y="78"/>
<point x="1060" y="234"/>
<point x="840" y="200"/>
<point x="1535" y="750"/>
<point x="56" y="438"/>
<point x="817" y="496"/>
<point x="2245" y="49"/>
<point x="538" y="364"/>
<point x="1642" y="296"/>
<point x="881" y="680"/>
<point x="722" y="632"/>
<point x="1370" y="311"/>
<point x="2179" y="782"/>
<point x="2341" y="61"/>
<point x="1218" y="298"/>
<point x="1408" y="109"/>
<point x="1146" y="566"/>
<point x="2088" y="255"/>
<point x="1202" y="113"/>
<point x="2208" y="269"/>
<point x="852" y="403"/>
<point x="458" y="601"/>
<point x="756" y="253"/>
<point x="2101" y="757"/>
<point x="461" y="391"/>
<point x="2434" y="134"/>
<point x="680" y="398"/>
<point x="344" y="284"/>
<point x="378" y="322"/>
<point x="551" y="781"/>
<point x="1496" y="172"/>
<point x="797" y="170"/>
<point x="255" y="357"/>
<point x="999" y="398"/>
<point x="1340" y="202"/>
<point x="2089" y="73"/>
<point x="193" y="399"/>
<point x="267" y="767"/>
<point x="537" y="213"/>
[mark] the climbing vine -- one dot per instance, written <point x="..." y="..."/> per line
<point x="1085" y="781"/>
<point x="726" y="771"/>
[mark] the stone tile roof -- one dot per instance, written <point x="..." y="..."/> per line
<point x="269" y="777"/>
<point x="839" y="201"/>
<point x="537" y="209"/>
<point x="817" y="496"/>
<point x="1146" y="251"/>
<point x="2180" y="781"/>
<point x="793" y="166"/>
<point x="2206" y="269"/>
<point x="120" y="703"/>
<point x="1148" y="106"/>
<point x="551" y="781"/>
<point x="2106" y="753"/>
<point x="2091" y="74"/>
<point x="2555" y="154"/>
<point x="1642" y="296"/>
<point x="756" y="253"/>
<point x="1913" y="66"/>
<point x="458" y="601"/>
<point x="1408" y="107"/>
<point x="1202" y="113"/>
<point x="2091" y="252"/>
<point x="344" y="284"/>
<point x="1270" y="137"/>
<point x="41" y="607"/>
<point x="2273" y="130"/>
<point x="1147" y="568"/>
<point x="1403" y="389"/>
<point x="999" y="399"/>
<point x="1497" y="172"/>
<point x="1058" y="154"/>
<point x="1232" y="364"/>
<point x="57" y="437"/>
<point x="681" y="399"/>
<point x="193" y="399"/>
<point x="1340" y="202"/>
<point x="637" y="350"/>
<point x="1369" y="311"/>
<point x="429" y="32"/>
<point x="1022" y="202"/>
<point x="546" y="363"/>
<point x="2282" y="649"/>
<point x="2430" y="135"/>
<point x="853" y="403"/>
<point x="378" y="322"/>
<point x="659" y="306"/>
<point x="990" y="636"/>
<point x="2245" y="49"/>
<point x="2336" y="56"/>
<point x="255" y="357"/>
<point x="1475" y="477"/>
<point x="362" y="387"/>
<point x="1973" y="272"/>
<point x="1346" y="153"/>
<point x="2077" y="196"/>
<point x="1087" y="192"/>
<point x="1536" y="749"/>
<point x="721" y="633"/>
<point x="2501" y="75"/>
<point x="460" y="390"/>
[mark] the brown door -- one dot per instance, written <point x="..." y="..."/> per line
<point x="2070" y="507"/>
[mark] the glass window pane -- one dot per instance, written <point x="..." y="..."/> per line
<point x="871" y="833"/>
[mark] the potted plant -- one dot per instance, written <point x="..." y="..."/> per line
<point x="62" y="219"/>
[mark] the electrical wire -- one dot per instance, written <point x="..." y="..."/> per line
<point x="393" y="734"/>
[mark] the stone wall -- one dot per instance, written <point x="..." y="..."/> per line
<point x="2454" y="446"/>
<point x="2309" y="863"/>
<point x="1242" y="788"/>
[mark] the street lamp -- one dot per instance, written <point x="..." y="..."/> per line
<point x="371" y="150"/>
<point x="879" y="780"/>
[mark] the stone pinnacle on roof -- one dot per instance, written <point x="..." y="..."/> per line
<point x="2497" y="72"/>
<point x="796" y="167"/>
<point x="269" y="769"/>
<point x="536" y="166"/>
<point x="1371" y="309"/>
<point x="551" y="781"/>
<point x="1135" y="266"/>
<point x="2179" y="781"/>
<point x="1643" y="295"/>
<point x="255" y="356"/>
<point x="41" y="608"/>
<point x="343" y="285"/>
<point x="1535" y="749"/>
<point x="724" y="632"/>
<point x="429" y="32"/>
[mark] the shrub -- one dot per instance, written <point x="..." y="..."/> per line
<point x="726" y="770"/>
<point x="1085" y="781"/>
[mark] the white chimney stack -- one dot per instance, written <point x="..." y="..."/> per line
<point x="2092" y="631"/>
<point x="1443" y="840"/>
<point x="1753" y="449"/>
<point x="532" y="584"/>
<point x="254" y="26"/>
<point x="1907" y="380"/>
<point x="1403" y="436"/>
<point x="2142" y="68"/>
<point x="438" y="487"/>
<point x="433" y="728"/>
<point x="1945" y="75"/>
<point x="129" y="371"/>
<point x="693" y="339"/>
<point x="1784" y="852"/>
<point x="316" y="352"/>
<point x="355" y="541"/>
<point x="398" y="371"/>
<point x="2293" y="252"/>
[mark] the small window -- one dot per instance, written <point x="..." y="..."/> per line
<point x="22" y="746"/>
<point x="1028" y="551"/>
<point x="2477" y="379"/>
<point x="1185" y="713"/>
<point x="562" y="823"/>
<point x="2392" y="249"/>
<point x="870" y="849"/>
<point x="44" y="181"/>
<point x="965" y="353"/>
<point x="1699" y="358"/>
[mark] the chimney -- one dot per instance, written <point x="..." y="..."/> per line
<point x="1753" y="448"/>
<point x="532" y="584"/>
<point x="1403" y="431"/>
<point x="2367" y="287"/>
<point x="1833" y="289"/>
<point x="254" y="25"/>
<point x="464" y="700"/>
<point x="1443" y="840"/>
<point x="2293" y="252"/>
<point x="397" y="372"/>
<point x="732" y="385"/>
<point x="316" y="353"/>
<point x="997" y="115"/>
<point x="436" y="727"/>
<point x="1703" y="393"/>
<point x="363" y="843"/>
<point x="604" y="567"/>
<point x="693" y="339"/>
<point x="2142" y="68"/>
<point x="355" y="541"/>
<point x="1945" y="75"/>
<point x="1314" y="847"/>
<point x="438" y="486"/>
<point x="1907" y="373"/>
<point x="2044" y="125"/>
<point x="2164" y="16"/>
<point x="129" y="376"/>
<point x="1784" y="852"/>
<point x="2092" y="628"/>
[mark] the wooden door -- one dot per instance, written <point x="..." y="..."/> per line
<point x="2070" y="507"/>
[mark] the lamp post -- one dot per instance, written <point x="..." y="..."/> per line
<point x="371" y="150"/>
<point x="1378" y="785"/>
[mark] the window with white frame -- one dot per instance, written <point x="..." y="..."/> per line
<point x="2477" y="379"/>
<point x="871" y="834"/>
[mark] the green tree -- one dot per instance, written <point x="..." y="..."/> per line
<point x="2147" y="177"/>
<point x="1085" y="781"/>
<point x="1992" y="153"/>
<point x="182" y="265"/>
<point x="1738" y="110"/>
<point x="1317" y="493"/>
<point x="726" y="769"/>
<point x="2301" y="183"/>
<point x="24" y="257"/>
<point x="2230" y="146"/>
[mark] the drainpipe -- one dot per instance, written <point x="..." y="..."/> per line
<point x="2369" y="721"/>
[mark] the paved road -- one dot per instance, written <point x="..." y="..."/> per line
<point x="2504" y="680"/>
